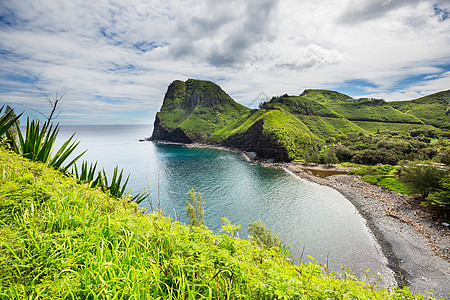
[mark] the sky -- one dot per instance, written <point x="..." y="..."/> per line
<point x="113" y="60"/>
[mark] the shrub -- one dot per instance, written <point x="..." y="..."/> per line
<point x="423" y="178"/>
<point x="441" y="197"/>
<point x="343" y="153"/>
<point x="195" y="208"/>
<point x="263" y="235"/>
<point x="330" y="157"/>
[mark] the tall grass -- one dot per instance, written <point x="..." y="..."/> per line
<point x="115" y="187"/>
<point x="37" y="145"/>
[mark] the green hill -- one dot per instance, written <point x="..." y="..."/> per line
<point x="432" y="110"/>
<point x="286" y="127"/>
<point x="197" y="109"/>
<point x="60" y="239"/>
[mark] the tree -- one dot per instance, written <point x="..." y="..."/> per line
<point x="195" y="208"/>
<point x="330" y="157"/>
<point x="442" y="195"/>
<point x="263" y="235"/>
<point x="422" y="178"/>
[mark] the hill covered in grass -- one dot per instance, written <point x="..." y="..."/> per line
<point x="60" y="239"/>
<point x="194" y="110"/>
<point x="433" y="109"/>
<point x="287" y="127"/>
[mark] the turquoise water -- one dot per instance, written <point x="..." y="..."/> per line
<point x="301" y="213"/>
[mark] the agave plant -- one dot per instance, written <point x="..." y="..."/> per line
<point x="88" y="173"/>
<point x="38" y="142"/>
<point x="37" y="145"/>
<point x="8" y="121"/>
<point x="115" y="187"/>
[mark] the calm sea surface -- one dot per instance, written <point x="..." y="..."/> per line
<point x="301" y="213"/>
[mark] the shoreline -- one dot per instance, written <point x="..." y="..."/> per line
<point x="416" y="248"/>
<point x="409" y="241"/>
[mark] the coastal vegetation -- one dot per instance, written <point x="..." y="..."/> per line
<point x="62" y="239"/>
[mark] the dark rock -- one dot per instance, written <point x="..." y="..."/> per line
<point x="161" y="134"/>
<point x="254" y="140"/>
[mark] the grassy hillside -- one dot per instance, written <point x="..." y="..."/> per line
<point x="324" y="96"/>
<point x="199" y="108"/>
<point x="60" y="239"/>
<point x="303" y="105"/>
<point x="292" y="124"/>
<point x="372" y="110"/>
<point x="433" y="109"/>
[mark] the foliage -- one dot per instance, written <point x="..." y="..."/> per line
<point x="432" y="109"/>
<point x="423" y="178"/>
<point x="195" y="208"/>
<point x="329" y="156"/>
<point x="441" y="197"/>
<point x="114" y="187"/>
<point x="262" y="235"/>
<point x="7" y="120"/>
<point x="63" y="240"/>
<point x="9" y="127"/>
<point x="383" y="175"/>
<point x="37" y="145"/>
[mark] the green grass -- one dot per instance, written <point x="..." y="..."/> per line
<point x="290" y="132"/>
<point x="324" y="96"/>
<point x="383" y="175"/>
<point x="374" y="127"/>
<point x="388" y="181"/>
<point x="63" y="240"/>
<point x="372" y="110"/>
<point x="433" y="109"/>
<point x="239" y="126"/>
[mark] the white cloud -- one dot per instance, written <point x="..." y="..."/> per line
<point x="117" y="58"/>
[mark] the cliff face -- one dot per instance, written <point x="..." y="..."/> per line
<point x="161" y="134"/>
<point x="254" y="140"/>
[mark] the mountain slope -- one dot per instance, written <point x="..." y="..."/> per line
<point x="432" y="110"/>
<point x="285" y="127"/>
<point x="193" y="110"/>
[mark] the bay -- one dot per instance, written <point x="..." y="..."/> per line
<point x="303" y="214"/>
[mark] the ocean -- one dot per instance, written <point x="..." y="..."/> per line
<point x="303" y="214"/>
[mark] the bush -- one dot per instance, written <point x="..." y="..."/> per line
<point x="329" y="157"/>
<point x="371" y="157"/>
<point x="423" y="178"/>
<point x="343" y="153"/>
<point x="441" y="197"/>
<point x="262" y="235"/>
<point x="195" y="208"/>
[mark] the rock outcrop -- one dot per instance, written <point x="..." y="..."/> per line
<point x="161" y="134"/>
<point x="254" y="140"/>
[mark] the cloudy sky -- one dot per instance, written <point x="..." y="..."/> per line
<point x="116" y="58"/>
